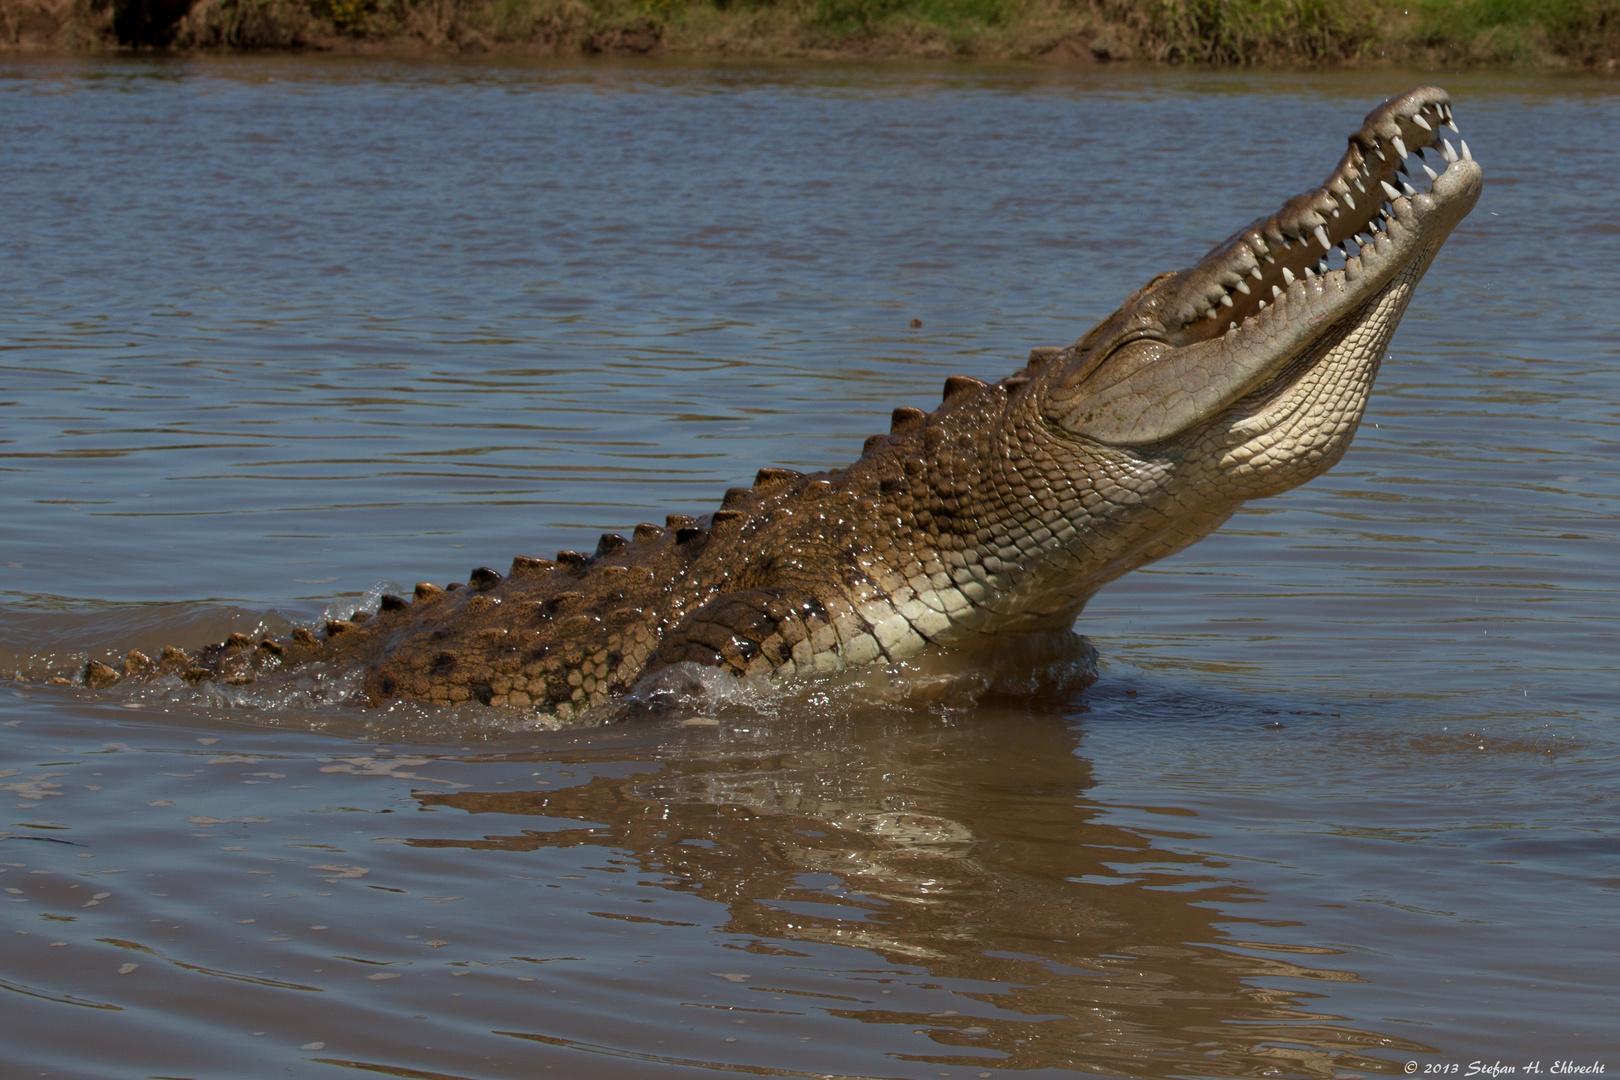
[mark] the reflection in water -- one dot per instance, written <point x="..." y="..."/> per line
<point x="969" y="850"/>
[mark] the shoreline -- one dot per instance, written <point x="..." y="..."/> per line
<point x="1566" y="34"/>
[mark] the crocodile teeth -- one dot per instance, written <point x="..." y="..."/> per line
<point x="1466" y="155"/>
<point x="1367" y="175"/>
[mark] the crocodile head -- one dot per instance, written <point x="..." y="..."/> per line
<point x="1252" y="367"/>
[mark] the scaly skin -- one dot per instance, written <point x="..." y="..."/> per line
<point x="1001" y="511"/>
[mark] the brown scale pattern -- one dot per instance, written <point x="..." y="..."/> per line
<point x="779" y="564"/>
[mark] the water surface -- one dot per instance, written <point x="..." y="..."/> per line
<point x="278" y="331"/>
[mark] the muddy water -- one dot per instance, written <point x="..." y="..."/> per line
<point x="277" y="332"/>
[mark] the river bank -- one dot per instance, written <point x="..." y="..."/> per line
<point x="1558" y="34"/>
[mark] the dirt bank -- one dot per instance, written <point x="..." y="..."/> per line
<point x="1543" y="33"/>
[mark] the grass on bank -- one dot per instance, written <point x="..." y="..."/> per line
<point x="1220" y="32"/>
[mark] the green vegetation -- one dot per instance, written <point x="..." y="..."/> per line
<point x="1222" y="32"/>
<point x="1248" y="31"/>
<point x="1578" y="31"/>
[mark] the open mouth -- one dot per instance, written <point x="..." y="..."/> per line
<point x="1192" y="343"/>
<point x="1400" y="169"/>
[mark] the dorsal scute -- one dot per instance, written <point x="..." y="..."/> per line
<point x="906" y="419"/>
<point x="525" y="566"/>
<point x="1041" y="356"/>
<point x="957" y="386"/>
<point x="770" y="478"/>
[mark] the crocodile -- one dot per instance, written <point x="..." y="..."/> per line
<point x="1001" y="512"/>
